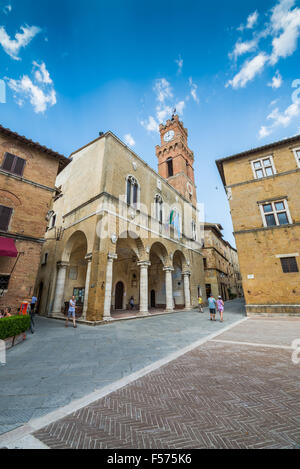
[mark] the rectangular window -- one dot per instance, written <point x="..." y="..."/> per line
<point x="4" y="281"/>
<point x="194" y="231"/>
<point x="205" y="263"/>
<point x="13" y="164"/>
<point x="170" y="167"/>
<point x="289" y="264"/>
<point x="45" y="259"/>
<point x="275" y="213"/>
<point x="5" y="216"/>
<point x="53" y="221"/>
<point x="297" y="155"/>
<point x="263" y="167"/>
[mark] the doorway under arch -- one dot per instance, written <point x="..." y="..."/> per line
<point x="119" y="294"/>
<point x="153" y="299"/>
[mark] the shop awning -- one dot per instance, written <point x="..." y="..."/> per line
<point x="8" y="248"/>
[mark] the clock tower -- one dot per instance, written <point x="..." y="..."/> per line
<point x="175" y="159"/>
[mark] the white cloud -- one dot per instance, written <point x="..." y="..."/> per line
<point x="280" y="119"/>
<point x="249" y="70"/>
<point x="283" y="29"/>
<point x="179" y="62"/>
<point x="12" y="46"/>
<point x="264" y="132"/>
<point x="180" y="107"/>
<point x="162" y="112"/>
<point x="243" y="48"/>
<point x="165" y="105"/>
<point x="276" y="81"/>
<point x="41" y="74"/>
<point x="285" y="23"/>
<point x="7" y="9"/>
<point x="41" y="95"/>
<point x="162" y="90"/>
<point x="251" y="21"/>
<point x="194" y="88"/>
<point x="151" y="125"/>
<point x="164" y="96"/>
<point x="129" y="140"/>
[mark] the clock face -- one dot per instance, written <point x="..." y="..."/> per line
<point x="169" y="136"/>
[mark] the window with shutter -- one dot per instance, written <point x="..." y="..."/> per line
<point x="4" y="281"/>
<point x="5" y="216"/>
<point x="289" y="265"/>
<point x="14" y="164"/>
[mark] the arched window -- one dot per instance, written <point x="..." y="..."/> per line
<point x="132" y="191"/>
<point x="194" y="231"/>
<point x="159" y="208"/>
<point x="175" y="223"/>
<point x="170" y="167"/>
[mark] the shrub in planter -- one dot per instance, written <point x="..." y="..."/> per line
<point x="15" y="325"/>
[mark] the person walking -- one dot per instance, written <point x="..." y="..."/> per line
<point x="200" y="304"/>
<point x="71" y="312"/>
<point x="212" y="307"/>
<point x="220" y="306"/>
<point x="33" y="304"/>
<point x="131" y="302"/>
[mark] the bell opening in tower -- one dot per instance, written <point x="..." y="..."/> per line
<point x="170" y="167"/>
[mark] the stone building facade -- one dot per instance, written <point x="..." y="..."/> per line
<point x="27" y="183"/>
<point x="221" y="266"/>
<point x="263" y="191"/>
<point x="119" y="231"/>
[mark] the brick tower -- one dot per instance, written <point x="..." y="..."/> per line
<point x="175" y="159"/>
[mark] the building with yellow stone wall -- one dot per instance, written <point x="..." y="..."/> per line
<point x="221" y="267"/>
<point x="120" y="230"/>
<point x="262" y="185"/>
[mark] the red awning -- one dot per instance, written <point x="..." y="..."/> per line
<point x="8" y="248"/>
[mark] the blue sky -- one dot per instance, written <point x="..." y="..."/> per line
<point x="74" y="68"/>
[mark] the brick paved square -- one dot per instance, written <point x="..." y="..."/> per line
<point x="217" y="396"/>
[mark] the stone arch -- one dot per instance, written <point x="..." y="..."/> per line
<point x="161" y="251"/>
<point x="179" y="265"/>
<point x="133" y="242"/>
<point x="179" y="258"/>
<point x="77" y="238"/>
<point x="159" y="260"/>
<point x="10" y="198"/>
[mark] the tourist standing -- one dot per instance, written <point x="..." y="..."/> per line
<point x="212" y="307"/>
<point x="200" y="304"/>
<point x="72" y="312"/>
<point x="220" y="306"/>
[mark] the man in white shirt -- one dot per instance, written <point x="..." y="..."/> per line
<point x="71" y="311"/>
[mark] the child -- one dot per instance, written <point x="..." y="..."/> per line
<point x="220" y="305"/>
<point x="200" y="303"/>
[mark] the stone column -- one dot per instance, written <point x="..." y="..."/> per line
<point x="187" y="292"/>
<point x="88" y="258"/>
<point x="60" y="286"/>
<point x="169" y="289"/>
<point x="108" y="287"/>
<point x="144" y="265"/>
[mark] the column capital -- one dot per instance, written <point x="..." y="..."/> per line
<point x="62" y="264"/>
<point x="168" y="269"/>
<point x="89" y="257"/>
<point x="144" y="264"/>
<point x="186" y="273"/>
<point x="112" y="256"/>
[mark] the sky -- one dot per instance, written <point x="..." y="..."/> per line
<point x="74" y="68"/>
